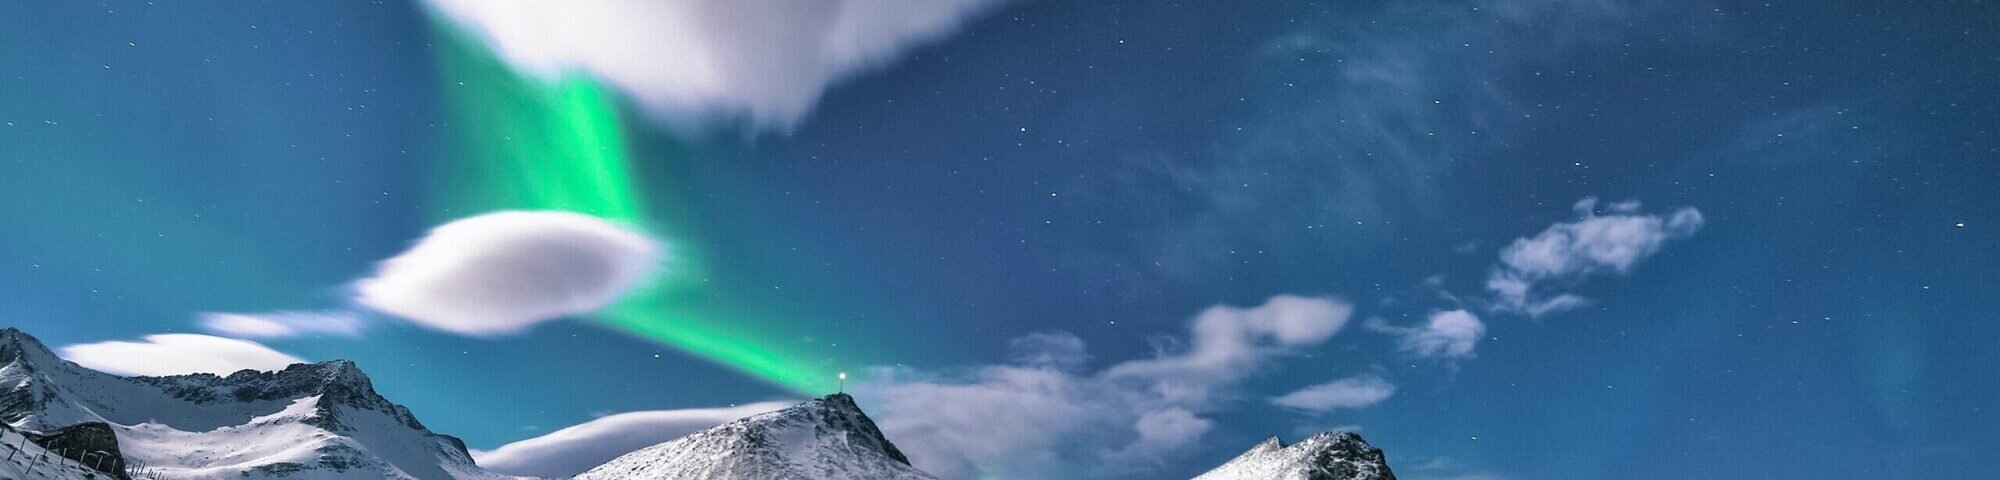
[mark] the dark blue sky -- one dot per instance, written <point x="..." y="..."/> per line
<point x="1110" y="169"/>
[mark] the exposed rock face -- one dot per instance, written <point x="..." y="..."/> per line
<point x="1323" y="456"/>
<point x="825" y="438"/>
<point x="90" y="444"/>
<point x="320" y="420"/>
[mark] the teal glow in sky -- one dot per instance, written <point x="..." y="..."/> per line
<point x="1102" y="172"/>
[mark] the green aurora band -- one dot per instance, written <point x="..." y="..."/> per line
<point x="531" y="144"/>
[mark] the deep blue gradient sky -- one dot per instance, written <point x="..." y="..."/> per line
<point x="1110" y="169"/>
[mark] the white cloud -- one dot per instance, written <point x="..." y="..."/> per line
<point x="1355" y="392"/>
<point x="1034" y="419"/>
<point x="1166" y="430"/>
<point x="504" y="272"/>
<point x="1231" y="341"/>
<point x="573" y="450"/>
<point x="765" y="61"/>
<point x="1533" y="270"/>
<point x="177" y="353"/>
<point x="282" y="324"/>
<point x="1059" y="350"/>
<point x="1449" y="334"/>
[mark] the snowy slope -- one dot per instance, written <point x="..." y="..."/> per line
<point x="1324" y="456"/>
<point x="43" y="464"/>
<point x="826" y="438"/>
<point x="309" y="421"/>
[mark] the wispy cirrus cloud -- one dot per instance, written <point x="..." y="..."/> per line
<point x="1535" y="272"/>
<point x="282" y="324"/>
<point x="1446" y="334"/>
<point x="1353" y="392"/>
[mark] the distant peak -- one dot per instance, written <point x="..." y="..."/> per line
<point x="16" y="344"/>
<point x="11" y="335"/>
<point x="1269" y="444"/>
<point x="1335" y="436"/>
<point x="335" y="370"/>
<point x="1332" y="455"/>
<point x="842" y="399"/>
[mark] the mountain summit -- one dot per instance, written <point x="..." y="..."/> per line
<point x="319" y="420"/>
<point x="823" y="438"/>
<point x="1323" y="456"/>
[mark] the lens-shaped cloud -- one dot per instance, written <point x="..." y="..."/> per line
<point x="176" y="354"/>
<point x="504" y="272"/>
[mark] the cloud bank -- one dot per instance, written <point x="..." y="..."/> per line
<point x="1533" y="271"/>
<point x="573" y="450"/>
<point x="176" y="354"/>
<point x="765" y="61"/>
<point x="1039" y="418"/>
<point x="504" y="272"/>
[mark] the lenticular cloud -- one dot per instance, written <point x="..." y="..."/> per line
<point x="504" y="272"/>
<point x="764" y="61"/>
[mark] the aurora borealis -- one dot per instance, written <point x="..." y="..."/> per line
<point x="1505" y="239"/>
<point x="529" y="144"/>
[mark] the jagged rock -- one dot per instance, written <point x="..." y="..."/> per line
<point x="825" y="438"/>
<point x="1323" y="456"/>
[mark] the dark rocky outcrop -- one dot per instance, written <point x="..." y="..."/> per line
<point x="93" y="445"/>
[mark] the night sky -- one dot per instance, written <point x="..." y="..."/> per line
<point x="1796" y="275"/>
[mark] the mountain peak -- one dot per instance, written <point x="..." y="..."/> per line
<point x="1269" y="444"/>
<point x="1322" y="456"/>
<point x="844" y="414"/>
<point x="13" y="340"/>
<point x="17" y="346"/>
<point x="827" y="437"/>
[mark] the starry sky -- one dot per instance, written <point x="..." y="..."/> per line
<point x="1755" y="238"/>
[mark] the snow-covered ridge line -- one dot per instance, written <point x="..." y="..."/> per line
<point x="824" y="438"/>
<point x="308" y="421"/>
<point x="1323" y="456"/>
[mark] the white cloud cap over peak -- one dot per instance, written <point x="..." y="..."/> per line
<point x="1354" y="392"/>
<point x="1447" y="334"/>
<point x="503" y="272"/>
<point x="1566" y="252"/>
<point x="282" y="324"/>
<point x="570" y="451"/>
<point x="767" y="61"/>
<point x="177" y="354"/>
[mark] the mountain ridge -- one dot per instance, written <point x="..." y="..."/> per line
<point x="1322" y="456"/>
<point x="824" y="438"/>
<point x="308" y="420"/>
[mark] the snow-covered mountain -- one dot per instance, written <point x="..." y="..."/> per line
<point x="1324" y="456"/>
<point x="308" y="421"/>
<point x="825" y="438"/>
